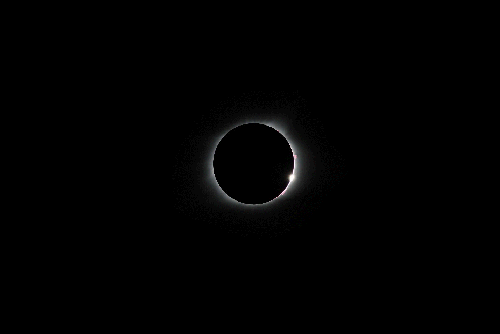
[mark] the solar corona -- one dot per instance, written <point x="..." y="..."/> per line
<point x="253" y="164"/>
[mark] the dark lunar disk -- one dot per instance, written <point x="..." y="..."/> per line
<point x="252" y="163"/>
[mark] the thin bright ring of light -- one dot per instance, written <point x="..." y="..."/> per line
<point x="281" y="127"/>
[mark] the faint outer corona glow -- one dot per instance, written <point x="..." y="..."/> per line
<point x="281" y="127"/>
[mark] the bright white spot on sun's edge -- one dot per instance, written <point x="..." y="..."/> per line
<point x="281" y="127"/>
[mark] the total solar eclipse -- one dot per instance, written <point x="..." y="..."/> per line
<point x="253" y="163"/>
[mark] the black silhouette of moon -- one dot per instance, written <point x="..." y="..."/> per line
<point x="253" y="163"/>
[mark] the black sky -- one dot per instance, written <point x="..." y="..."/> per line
<point x="163" y="209"/>
<point x="147" y="200"/>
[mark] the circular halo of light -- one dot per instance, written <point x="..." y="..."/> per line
<point x="281" y="125"/>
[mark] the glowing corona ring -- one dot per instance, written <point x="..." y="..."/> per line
<point x="281" y="125"/>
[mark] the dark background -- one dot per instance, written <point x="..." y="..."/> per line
<point x="147" y="202"/>
<point x="137" y="115"/>
<point x="145" y="141"/>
